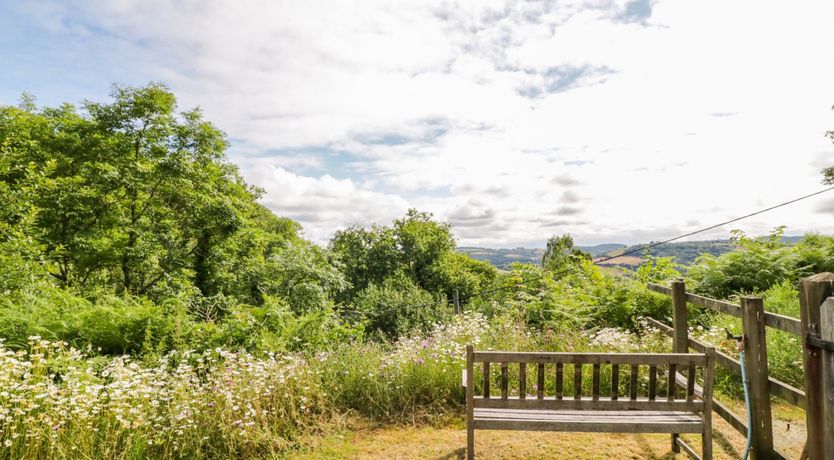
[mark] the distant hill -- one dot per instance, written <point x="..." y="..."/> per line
<point x="687" y="251"/>
<point x="684" y="252"/>
<point x="503" y="258"/>
<point x="601" y="249"/>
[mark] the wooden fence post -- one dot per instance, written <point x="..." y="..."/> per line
<point x="680" y="339"/>
<point x="813" y="291"/>
<point x="680" y="343"/>
<point x="827" y="333"/>
<point x="457" y="303"/>
<point x="755" y="362"/>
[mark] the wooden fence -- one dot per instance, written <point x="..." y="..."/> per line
<point x="816" y="328"/>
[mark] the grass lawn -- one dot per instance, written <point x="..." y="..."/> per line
<point x="363" y="440"/>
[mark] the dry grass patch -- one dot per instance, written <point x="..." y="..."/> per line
<point x="398" y="442"/>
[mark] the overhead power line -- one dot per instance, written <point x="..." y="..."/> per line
<point x="727" y="222"/>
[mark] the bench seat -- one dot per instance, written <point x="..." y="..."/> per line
<point x="625" y="421"/>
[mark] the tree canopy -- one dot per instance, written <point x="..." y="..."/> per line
<point x="559" y="253"/>
<point x="134" y="198"/>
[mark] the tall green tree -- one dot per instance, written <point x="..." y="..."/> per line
<point x="412" y="245"/>
<point x="367" y="256"/>
<point x="127" y="194"/>
<point x="422" y="240"/>
<point x="559" y="254"/>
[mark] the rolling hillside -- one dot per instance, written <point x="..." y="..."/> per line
<point x="684" y="253"/>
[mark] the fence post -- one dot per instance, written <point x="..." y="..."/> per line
<point x="755" y="362"/>
<point x="457" y="302"/>
<point x="813" y="291"/>
<point x="827" y="333"/>
<point x="680" y="343"/>
<point x="680" y="339"/>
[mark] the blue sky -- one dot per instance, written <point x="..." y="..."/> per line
<point x="616" y="121"/>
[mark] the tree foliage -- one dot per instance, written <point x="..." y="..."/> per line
<point x="133" y="199"/>
<point x="406" y="273"/>
<point x="760" y="263"/>
<point x="559" y="254"/>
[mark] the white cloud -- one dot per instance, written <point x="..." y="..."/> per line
<point x="503" y="113"/>
<point x="325" y="204"/>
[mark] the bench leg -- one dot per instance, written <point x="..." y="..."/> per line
<point x="470" y="442"/>
<point x="706" y="443"/>
<point x="675" y="447"/>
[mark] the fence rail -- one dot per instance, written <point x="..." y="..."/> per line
<point x="783" y="390"/>
<point x="774" y="320"/>
<point x="818" y="364"/>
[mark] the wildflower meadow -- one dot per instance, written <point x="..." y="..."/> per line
<point x="61" y="402"/>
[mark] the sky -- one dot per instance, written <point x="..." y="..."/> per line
<point x="614" y="121"/>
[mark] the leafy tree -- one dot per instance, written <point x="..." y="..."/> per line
<point x="132" y="197"/>
<point x="412" y="245"/>
<point x="367" y="256"/>
<point x="305" y="277"/>
<point x="244" y="265"/>
<point x="560" y="253"/>
<point x="422" y="241"/>
<point x="127" y="194"/>
<point x="457" y="271"/>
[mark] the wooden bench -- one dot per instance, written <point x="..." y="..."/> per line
<point x="679" y="410"/>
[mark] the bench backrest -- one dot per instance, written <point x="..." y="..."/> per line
<point x="532" y="380"/>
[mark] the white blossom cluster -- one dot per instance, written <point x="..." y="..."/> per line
<point x="445" y="343"/>
<point x="55" y="397"/>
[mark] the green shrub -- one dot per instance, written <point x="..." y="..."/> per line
<point x="399" y="306"/>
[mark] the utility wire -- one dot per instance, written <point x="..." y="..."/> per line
<point x="652" y="245"/>
<point x="639" y="248"/>
<point x="642" y="248"/>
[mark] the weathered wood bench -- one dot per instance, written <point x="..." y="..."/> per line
<point x="679" y="410"/>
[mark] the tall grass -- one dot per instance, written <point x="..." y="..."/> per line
<point x="60" y="402"/>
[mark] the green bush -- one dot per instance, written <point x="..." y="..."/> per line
<point x="399" y="306"/>
<point x="757" y="265"/>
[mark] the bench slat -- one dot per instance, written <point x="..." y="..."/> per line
<point x="652" y="382"/>
<point x="505" y="381"/>
<point x="522" y="380"/>
<point x="595" y="387"/>
<point x="489" y="412"/>
<point x="603" y="421"/>
<point x="540" y="381"/>
<point x="559" y="381"/>
<point x="623" y="416"/>
<point x="521" y="425"/>
<point x="615" y="382"/>
<point x="657" y="359"/>
<point x="671" y="390"/>
<point x="690" y="383"/>
<point x="577" y="381"/>
<point x="632" y="389"/>
<point x="486" y="380"/>
<point x="587" y="403"/>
